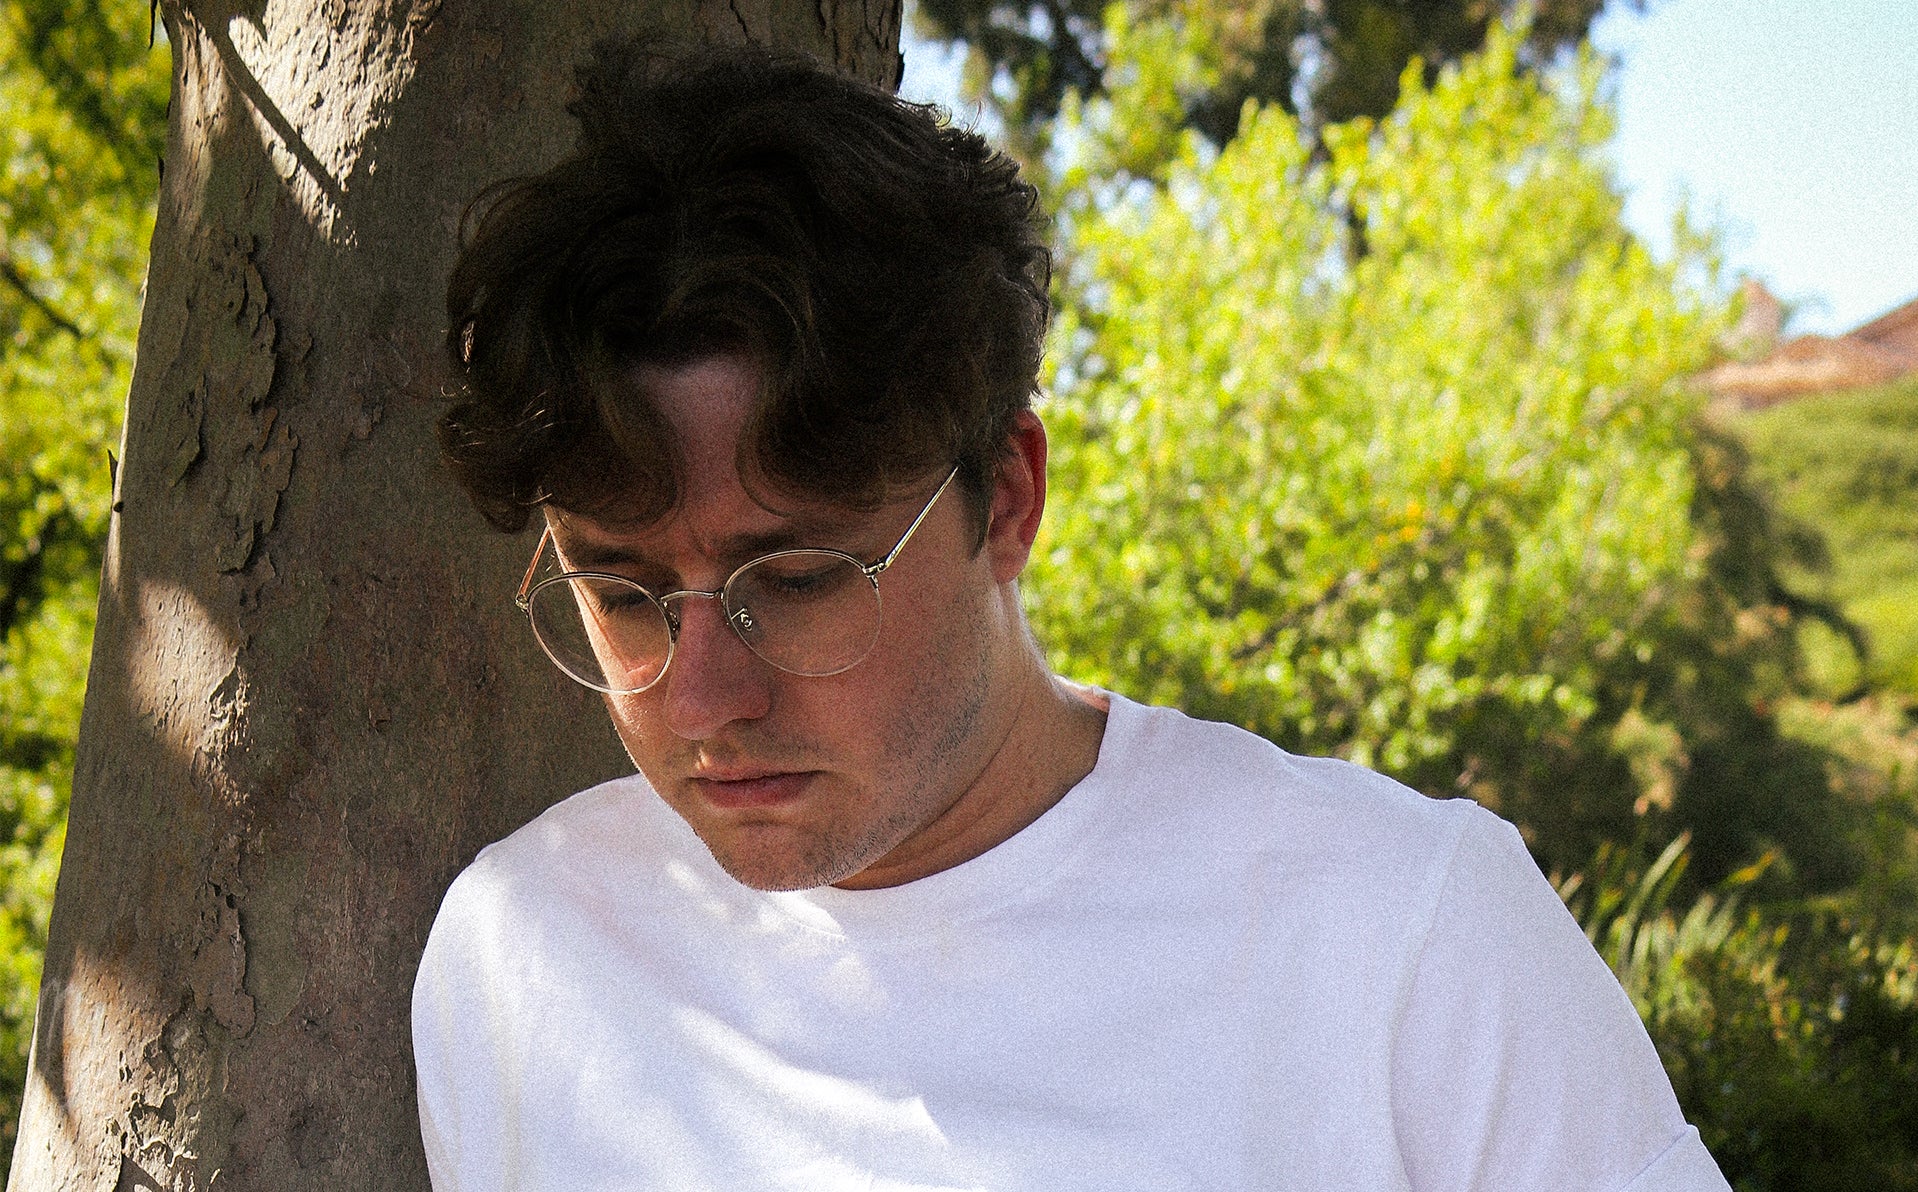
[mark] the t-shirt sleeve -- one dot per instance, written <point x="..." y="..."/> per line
<point x="1518" y="1061"/>
<point x="460" y="1069"/>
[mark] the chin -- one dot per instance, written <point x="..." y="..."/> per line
<point x="775" y="866"/>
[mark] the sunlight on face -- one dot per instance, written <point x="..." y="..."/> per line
<point x="802" y="780"/>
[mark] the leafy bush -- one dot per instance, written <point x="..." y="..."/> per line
<point x="1391" y="455"/>
<point x="1793" y="1048"/>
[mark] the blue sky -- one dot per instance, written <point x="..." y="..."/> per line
<point x="1790" y="126"/>
<point x="1794" y="126"/>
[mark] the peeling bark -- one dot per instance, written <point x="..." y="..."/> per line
<point x="311" y="700"/>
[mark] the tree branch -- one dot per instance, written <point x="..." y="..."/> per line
<point x="13" y="277"/>
<point x="24" y="585"/>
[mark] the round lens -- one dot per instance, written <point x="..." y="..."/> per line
<point x="811" y="612"/>
<point x="608" y="633"/>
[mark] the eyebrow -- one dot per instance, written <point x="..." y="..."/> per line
<point x="736" y="548"/>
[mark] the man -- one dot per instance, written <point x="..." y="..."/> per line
<point x="889" y="905"/>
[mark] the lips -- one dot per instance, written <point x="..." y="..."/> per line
<point x="742" y="790"/>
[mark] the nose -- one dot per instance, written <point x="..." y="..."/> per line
<point x="714" y="678"/>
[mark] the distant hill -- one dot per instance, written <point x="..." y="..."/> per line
<point x="1875" y="353"/>
<point x="1846" y="465"/>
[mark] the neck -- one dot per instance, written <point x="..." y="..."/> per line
<point x="1047" y="741"/>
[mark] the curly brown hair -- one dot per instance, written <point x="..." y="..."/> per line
<point x="887" y="272"/>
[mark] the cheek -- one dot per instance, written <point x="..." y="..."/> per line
<point x="944" y="677"/>
<point x="640" y="726"/>
<point x="624" y="710"/>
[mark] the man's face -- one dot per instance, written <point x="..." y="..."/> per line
<point x="792" y="781"/>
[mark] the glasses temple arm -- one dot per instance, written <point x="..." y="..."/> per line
<point x="525" y="584"/>
<point x="900" y="545"/>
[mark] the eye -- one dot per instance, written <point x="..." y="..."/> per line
<point x="797" y="578"/>
<point x="609" y="599"/>
<point x="797" y="582"/>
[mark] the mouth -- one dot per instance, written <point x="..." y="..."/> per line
<point x="746" y="789"/>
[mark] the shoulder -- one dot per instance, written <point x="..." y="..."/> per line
<point x="551" y="862"/>
<point x="1235" y="793"/>
<point x="597" y="820"/>
<point x="1208" y="756"/>
<point x="1330" y="864"/>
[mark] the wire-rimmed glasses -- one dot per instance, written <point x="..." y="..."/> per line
<point x="808" y="612"/>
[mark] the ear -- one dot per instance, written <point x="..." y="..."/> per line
<point x="1018" y="498"/>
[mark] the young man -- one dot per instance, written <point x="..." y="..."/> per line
<point x="889" y="905"/>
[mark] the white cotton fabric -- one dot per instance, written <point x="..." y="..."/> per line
<point x="1212" y="965"/>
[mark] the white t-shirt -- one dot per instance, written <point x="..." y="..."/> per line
<point x="1211" y="965"/>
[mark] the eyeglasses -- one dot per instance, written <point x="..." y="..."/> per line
<point x="807" y="612"/>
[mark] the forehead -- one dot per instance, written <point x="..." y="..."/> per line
<point x="712" y="524"/>
<point x="719" y="516"/>
<point x="707" y="403"/>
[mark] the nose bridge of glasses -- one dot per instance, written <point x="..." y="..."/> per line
<point x="740" y="620"/>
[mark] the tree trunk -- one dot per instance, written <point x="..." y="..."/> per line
<point x="311" y="699"/>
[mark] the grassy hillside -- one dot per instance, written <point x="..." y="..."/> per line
<point x="1846" y="464"/>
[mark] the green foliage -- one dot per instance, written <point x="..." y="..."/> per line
<point x="81" y="120"/>
<point x="1725" y="663"/>
<point x="1793" y="1048"/>
<point x="1869" y="749"/>
<point x="1388" y="453"/>
<point x="1325" y="61"/>
<point x="1386" y="456"/>
<point x="1847" y="464"/>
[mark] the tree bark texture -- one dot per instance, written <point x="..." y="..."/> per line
<point x="311" y="700"/>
